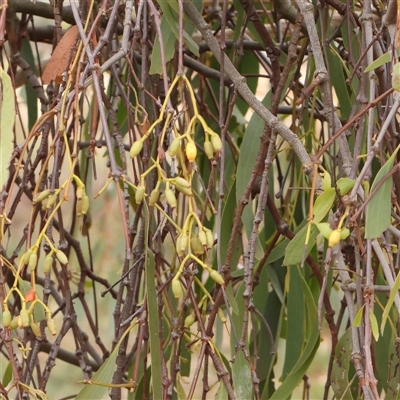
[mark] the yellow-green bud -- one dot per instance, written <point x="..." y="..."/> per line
<point x="48" y="263"/>
<point x="61" y="257"/>
<point x="182" y="182"/>
<point x="202" y="237"/>
<point x="210" y="239"/>
<point x="51" y="200"/>
<point x="178" y="246"/>
<point x="136" y="148"/>
<point x="41" y="196"/>
<point x="171" y="200"/>
<point x="52" y="326"/>
<point x="24" y="318"/>
<point x="216" y="143"/>
<point x="85" y="204"/>
<point x="154" y="196"/>
<point x="7" y="318"/>
<point x="140" y="193"/>
<point x="221" y="316"/>
<point x="334" y="238"/>
<point x="209" y="149"/>
<point x="14" y="323"/>
<point x="189" y="320"/>
<point x="35" y="328"/>
<point x="196" y="245"/>
<point x="79" y="207"/>
<point x="183" y="243"/>
<point x="27" y="256"/>
<point x="217" y="277"/>
<point x="33" y="259"/>
<point x="191" y="151"/>
<point x="186" y="191"/>
<point x="177" y="288"/>
<point x="174" y="147"/>
<point x="79" y="193"/>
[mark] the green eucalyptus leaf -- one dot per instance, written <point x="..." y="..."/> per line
<point x="358" y="317"/>
<point x="396" y="77"/>
<point x="323" y="204"/>
<point x="378" y="210"/>
<point x="295" y="249"/>
<point x="374" y="325"/>
<point x="393" y="292"/>
<point x="168" y="40"/>
<point x="325" y="229"/>
<point x="383" y="59"/>
<point x="345" y="185"/>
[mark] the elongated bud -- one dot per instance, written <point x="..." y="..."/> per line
<point x="216" y="277"/>
<point x="41" y="196"/>
<point x="79" y="193"/>
<point x="136" y="148"/>
<point x="221" y="316"/>
<point x="186" y="191"/>
<point x="191" y="151"/>
<point x="171" y="200"/>
<point x="210" y="239"/>
<point x="216" y="143"/>
<point x="85" y="204"/>
<point x="52" y="326"/>
<point x="177" y="288"/>
<point x="154" y="196"/>
<point x="174" y="147"/>
<point x="61" y="257"/>
<point x="189" y="320"/>
<point x="140" y="193"/>
<point x="27" y="256"/>
<point x="182" y="182"/>
<point x="33" y="259"/>
<point x="209" y="149"/>
<point x="35" y="328"/>
<point x="203" y="237"/>
<point x="196" y="245"/>
<point x="334" y="238"/>
<point x="7" y="318"/>
<point x="48" y="263"/>
<point x="24" y="315"/>
<point x="14" y="323"/>
<point x="79" y="208"/>
<point x="178" y="246"/>
<point x="51" y="200"/>
<point x="183" y="243"/>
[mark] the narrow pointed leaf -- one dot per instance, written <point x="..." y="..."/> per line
<point x="379" y="207"/>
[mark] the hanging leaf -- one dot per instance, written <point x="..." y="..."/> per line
<point x="378" y="211"/>
<point x="396" y="77"/>
<point x="341" y="366"/>
<point x="374" y="325"/>
<point x="61" y="57"/>
<point x="169" y="40"/>
<point x="393" y="292"/>
<point x="7" y="115"/>
<point x="345" y="185"/>
<point x="295" y="249"/>
<point x="358" y="317"/>
<point x="323" y="204"/>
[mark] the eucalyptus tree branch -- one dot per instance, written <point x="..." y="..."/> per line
<point x="40" y="9"/>
<point x="321" y="76"/>
<point x="241" y="87"/>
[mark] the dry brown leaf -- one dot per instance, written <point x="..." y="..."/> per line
<point x="61" y="57"/>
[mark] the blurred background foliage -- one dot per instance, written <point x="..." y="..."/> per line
<point x="199" y="199"/>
